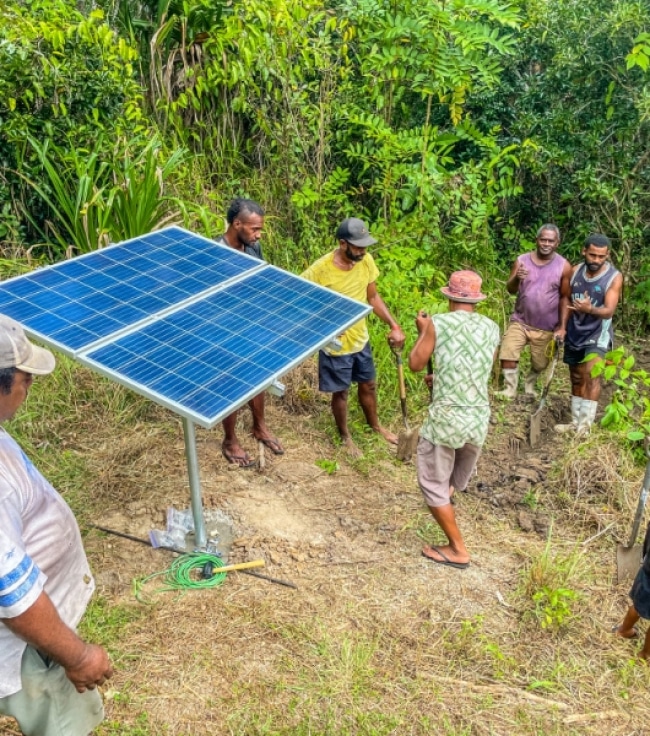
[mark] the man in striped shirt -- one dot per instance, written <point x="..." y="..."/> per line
<point x="48" y="674"/>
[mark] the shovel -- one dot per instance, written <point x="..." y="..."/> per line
<point x="536" y="418"/>
<point x="628" y="559"/>
<point x="408" y="438"/>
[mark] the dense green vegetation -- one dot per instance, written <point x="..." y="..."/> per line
<point x="455" y="127"/>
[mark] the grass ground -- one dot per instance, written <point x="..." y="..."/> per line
<point x="375" y="640"/>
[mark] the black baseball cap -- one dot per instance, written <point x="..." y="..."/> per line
<point x="355" y="232"/>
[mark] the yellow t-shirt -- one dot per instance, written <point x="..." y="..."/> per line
<point x="353" y="283"/>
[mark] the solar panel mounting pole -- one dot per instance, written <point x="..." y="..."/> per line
<point x="200" y="537"/>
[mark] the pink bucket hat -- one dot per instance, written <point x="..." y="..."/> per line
<point x="464" y="286"/>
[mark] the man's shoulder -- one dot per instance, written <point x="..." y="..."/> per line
<point x="487" y="323"/>
<point x="319" y="266"/>
<point x="371" y="267"/>
<point x="324" y="260"/>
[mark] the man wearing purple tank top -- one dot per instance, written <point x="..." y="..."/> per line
<point x="541" y="281"/>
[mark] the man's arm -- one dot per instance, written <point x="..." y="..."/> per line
<point x="425" y="344"/>
<point x="518" y="273"/>
<point x="85" y="665"/>
<point x="584" y="306"/>
<point x="396" y="337"/>
<point x="565" y="297"/>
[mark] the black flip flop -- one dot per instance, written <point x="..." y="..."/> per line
<point x="273" y="443"/>
<point x="445" y="560"/>
<point x="241" y="461"/>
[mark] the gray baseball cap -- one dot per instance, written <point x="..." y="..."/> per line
<point x="355" y="231"/>
<point x="16" y="351"/>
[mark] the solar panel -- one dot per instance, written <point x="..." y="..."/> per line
<point x="195" y="326"/>
<point x="75" y="303"/>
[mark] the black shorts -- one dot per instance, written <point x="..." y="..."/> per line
<point x="640" y="593"/>
<point x="575" y="356"/>
<point x="338" y="372"/>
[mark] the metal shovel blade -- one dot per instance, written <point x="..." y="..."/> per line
<point x="628" y="561"/>
<point x="536" y="427"/>
<point x="407" y="439"/>
<point x="628" y="558"/>
<point x="535" y="434"/>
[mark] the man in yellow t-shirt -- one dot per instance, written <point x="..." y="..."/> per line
<point x="351" y="270"/>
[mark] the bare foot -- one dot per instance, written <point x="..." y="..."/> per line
<point x="388" y="436"/>
<point x="351" y="448"/>
<point x="629" y="634"/>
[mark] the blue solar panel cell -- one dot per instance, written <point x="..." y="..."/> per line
<point x="74" y="336"/>
<point x="47" y="324"/>
<point x="121" y="272"/>
<point x="71" y="291"/>
<point x="42" y="300"/>
<point x="21" y="311"/>
<point x="271" y="362"/>
<point x="25" y="288"/>
<point x="215" y="361"/>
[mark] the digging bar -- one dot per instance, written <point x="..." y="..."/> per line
<point x="535" y="434"/>
<point x="628" y="559"/>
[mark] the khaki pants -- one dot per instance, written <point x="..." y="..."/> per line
<point x="48" y="704"/>
<point x="518" y="336"/>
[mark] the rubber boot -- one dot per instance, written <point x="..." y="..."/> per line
<point x="511" y="380"/>
<point x="531" y="382"/>
<point x="587" y="416"/>
<point x="576" y="405"/>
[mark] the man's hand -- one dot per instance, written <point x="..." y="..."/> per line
<point x="396" y="338"/>
<point x="422" y="321"/>
<point x="559" y="335"/>
<point x="92" y="669"/>
<point x="582" y="304"/>
<point x="521" y="271"/>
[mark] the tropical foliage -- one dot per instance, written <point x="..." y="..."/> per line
<point x="455" y="127"/>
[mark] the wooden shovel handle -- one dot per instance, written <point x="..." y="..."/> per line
<point x="400" y="376"/>
<point x="239" y="566"/>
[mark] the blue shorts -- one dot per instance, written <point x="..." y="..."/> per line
<point x="338" y="372"/>
<point x="575" y="356"/>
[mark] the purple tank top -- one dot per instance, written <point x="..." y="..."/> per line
<point x="538" y="299"/>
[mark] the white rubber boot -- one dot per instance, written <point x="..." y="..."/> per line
<point x="511" y="380"/>
<point x="531" y="382"/>
<point x="587" y="416"/>
<point x="576" y="405"/>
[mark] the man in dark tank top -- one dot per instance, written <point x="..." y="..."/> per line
<point x="595" y="291"/>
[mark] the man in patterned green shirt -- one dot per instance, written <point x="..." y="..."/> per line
<point x="463" y="344"/>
